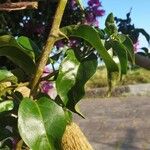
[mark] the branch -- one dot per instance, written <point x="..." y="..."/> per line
<point x="8" y="6"/>
<point x="53" y="35"/>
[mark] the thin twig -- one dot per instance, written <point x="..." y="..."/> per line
<point x="8" y="6"/>
<point x="53" y="35"/>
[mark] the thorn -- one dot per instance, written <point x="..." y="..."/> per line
<point x="62" y="34"/>
<point x="58" y="33"/>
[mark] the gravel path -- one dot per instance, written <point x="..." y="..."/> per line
<point x="116" y="123"/>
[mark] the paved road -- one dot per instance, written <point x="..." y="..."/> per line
<point x="116" y="123"/>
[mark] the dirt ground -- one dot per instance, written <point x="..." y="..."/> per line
<point x="116" y="123"/>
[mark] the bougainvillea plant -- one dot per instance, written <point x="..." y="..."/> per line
<point x="36" y="104"/>
<point x="125" y="26"/>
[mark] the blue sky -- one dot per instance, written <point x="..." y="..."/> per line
<point x="140" y="13"/>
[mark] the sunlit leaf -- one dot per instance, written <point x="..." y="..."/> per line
<point x="67" y="75"/>
<point x="73" y="74"/>
<point x="92" y="36"/>
<point x="41" y="123"/>
<point x="86" y="70"/>
<point x="29" y="46"/>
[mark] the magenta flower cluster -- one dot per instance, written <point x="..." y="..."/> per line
<point x="48" y="87"/>
<point x="93" y="11"/>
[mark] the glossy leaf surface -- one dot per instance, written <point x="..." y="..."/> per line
<point x="72" y="77"/>
<point x="67" y="75"/>
<point x="92" y="36"/>
<point x="41" y="123"/>
<point x="29" y="46"/>
<point x="17" y="54"/>
<point x="6" y="76"/>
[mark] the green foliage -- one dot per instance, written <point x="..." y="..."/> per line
<point x="121" y="45"/>
<point x="122" y="55"/>
<point x="30" y="47"/>
<point x="7" y="76"/>
<point x="20" y="56"/>
<point x="41" y="123"/>
<point x="128" y="45"/>
<point x="73" y="74"/>
<point x="110" y="26"/>
<point x="67" y="75"/>
<point x="86" y="32"/>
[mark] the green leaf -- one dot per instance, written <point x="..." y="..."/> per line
<point x="6" y="76"/>
<point x="67" y="75"/>
<point x="73" y="74"/>
<point x="109" y="20"/>
<point x="41" y="123"/>
<point x="128" y="45"/>
<point x="86" y="32"/>
<point x="110" y="25"/>
<point x="6" y="106"/>
<point x="19" y="58"/>
<point x="121" y="52"/>
<point x="10" y="48"/>
<point x="86" y="70"/>
<point x="101" y="33"/>
<point x="29" y="46"/>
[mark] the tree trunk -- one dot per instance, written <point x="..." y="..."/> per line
<point x="74" y="139"/>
